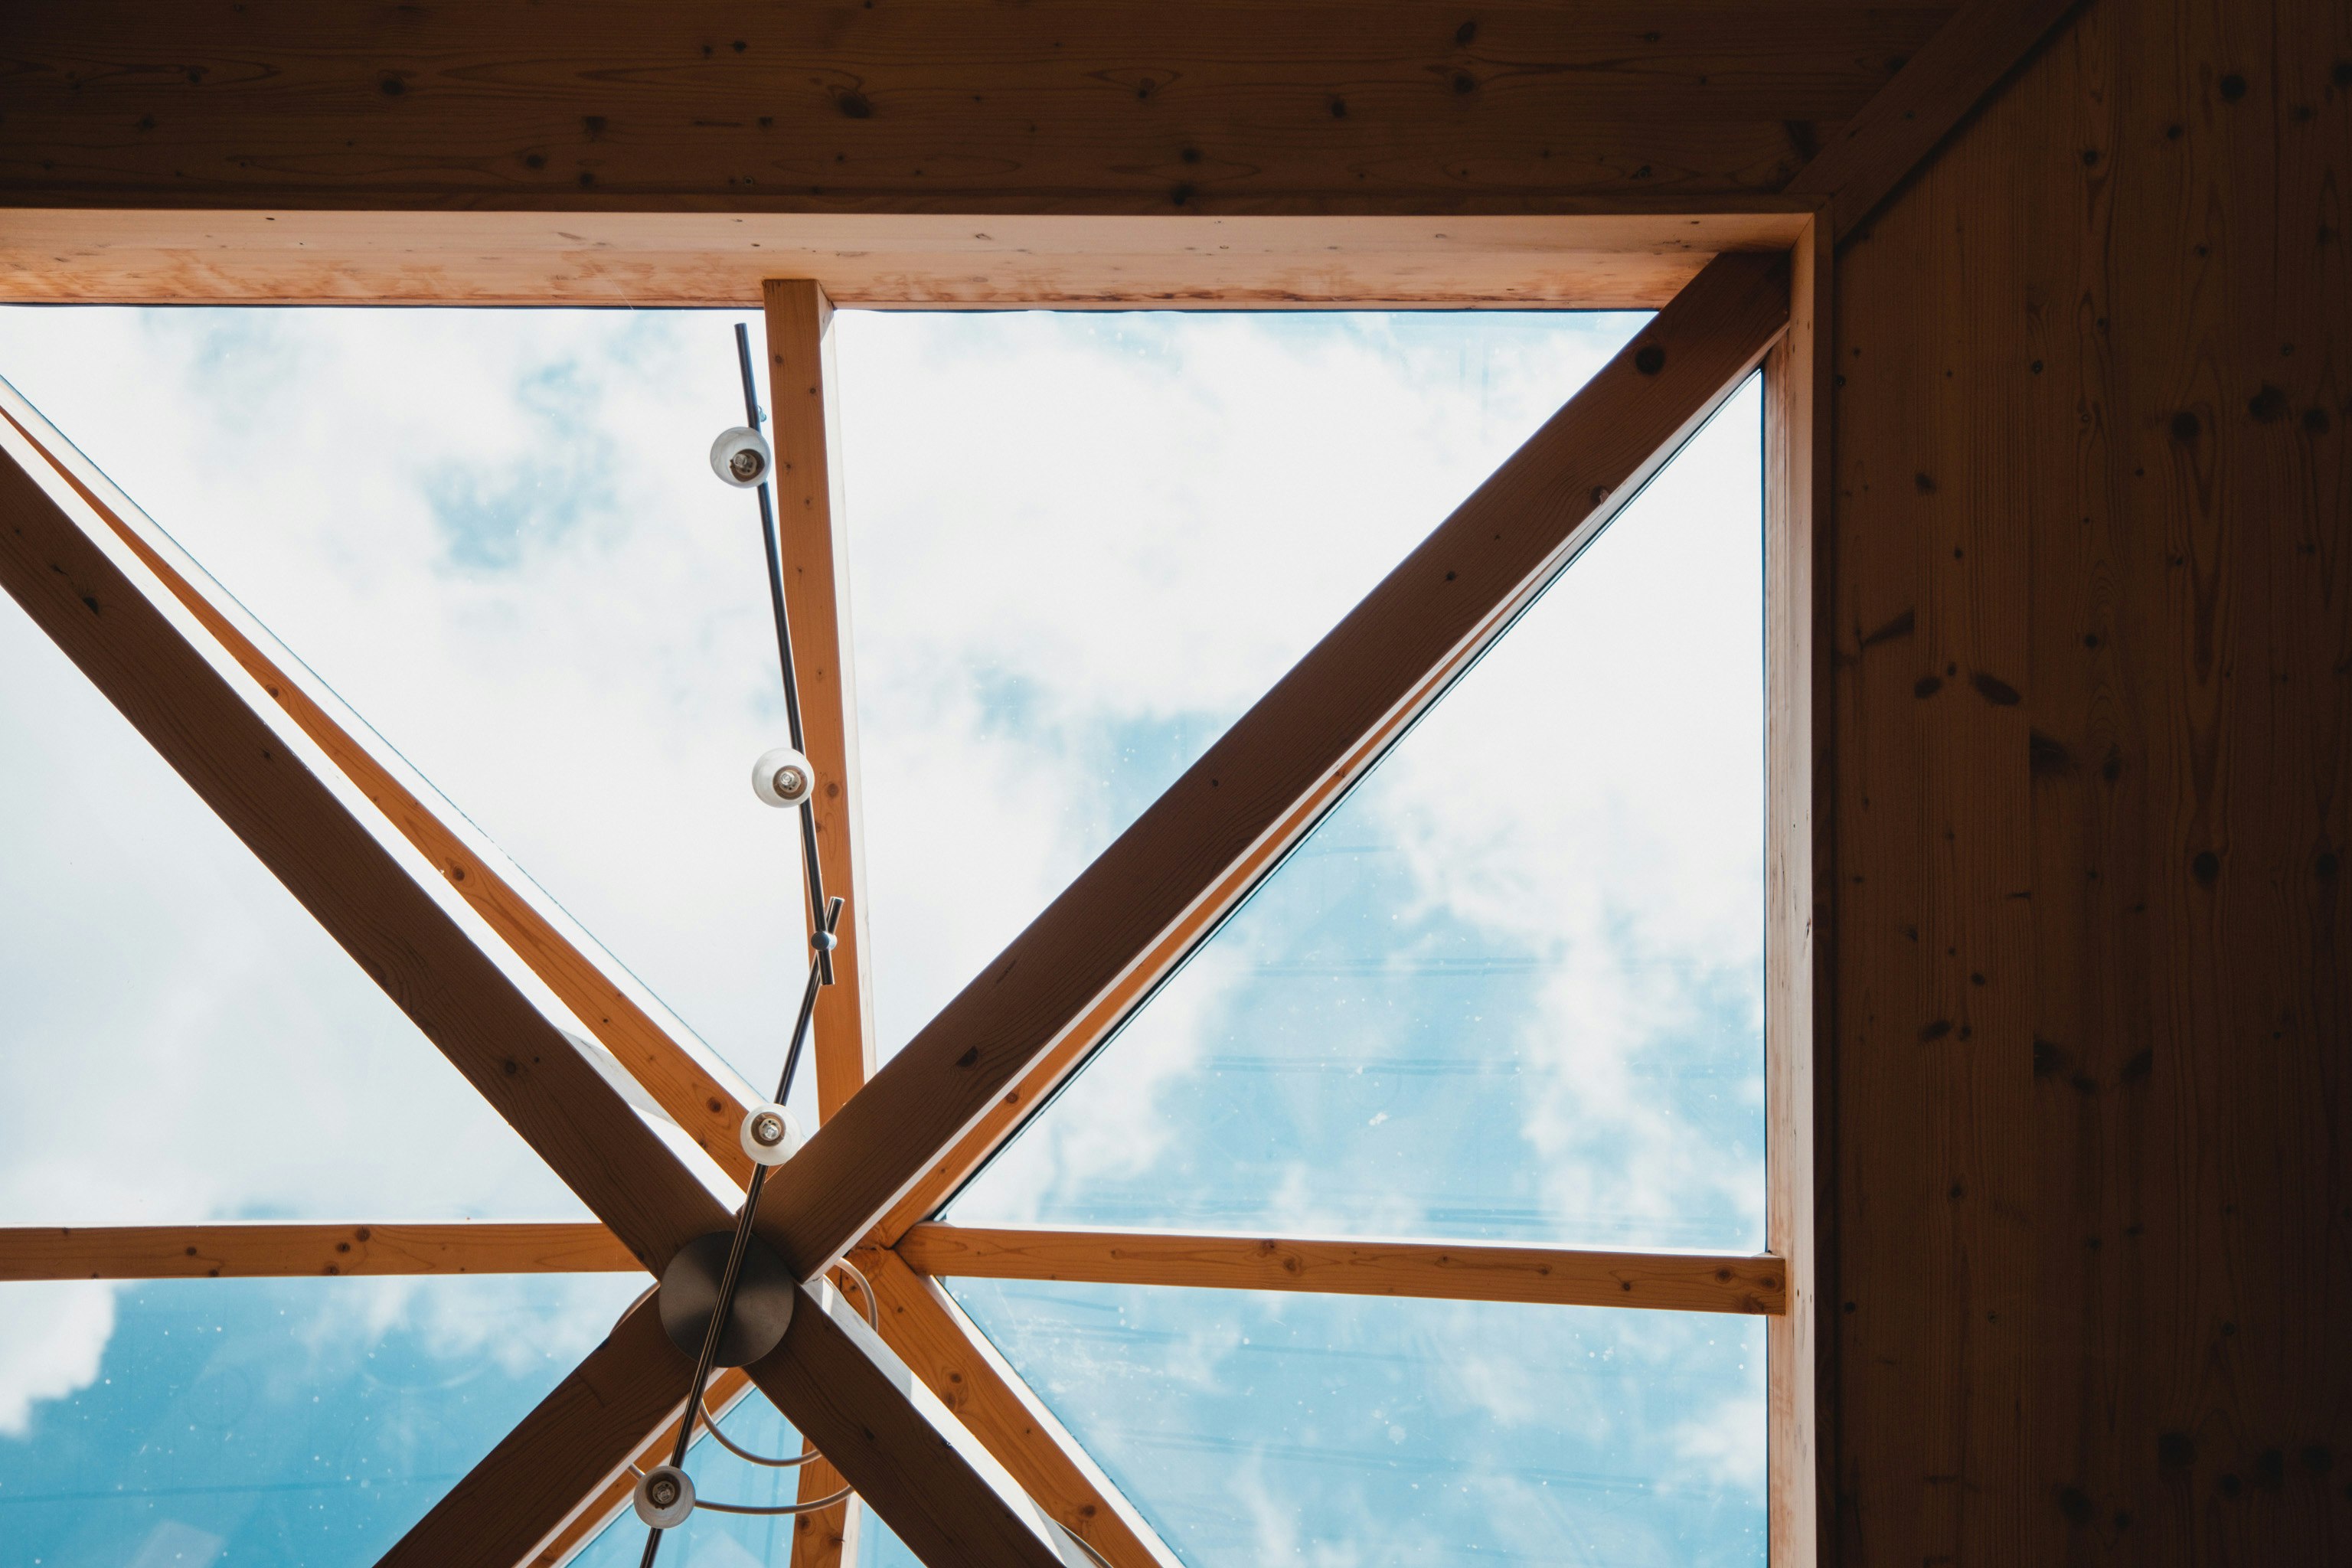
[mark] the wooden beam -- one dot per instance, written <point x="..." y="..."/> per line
<point x="733" y="107"/>
<point x="1457" y="592"/>
<point x="859" y="1404"/>
<point x="951" y="1356"/>
<point x="1799" y="1156"/>
<point x="813" y="532"/>
<point x="69" y="545"/>
<point x="262" y="1249"/>
<point x="1553" y="1276"/>
<point x="1939" y="86"/>
<point x="610" y="1500"/>
<point x="872" y="261"/>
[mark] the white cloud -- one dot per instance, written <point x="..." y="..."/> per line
<point x="52" y="1335"/>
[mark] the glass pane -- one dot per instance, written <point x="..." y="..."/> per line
<point x="1261" y="1428"/>
<point x="1085" y="544"/>
<point x="1513" y="987"/>
<point x="495" y="534"/>
<point x="265" y="1422"/>
<point x="180" y="1039"/>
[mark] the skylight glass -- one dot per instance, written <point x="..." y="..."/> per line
<point x="270" y="1423"/>
<point x="1258" y="1427"/>
<point x="1085" y="544"/>
<point x="179" y="1040"/>
<point x="1512" y="988"/>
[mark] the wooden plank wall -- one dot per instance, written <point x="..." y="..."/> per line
<point x="2093" y="543"/>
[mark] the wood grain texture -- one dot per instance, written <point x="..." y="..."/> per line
<point x="58" y="528"/>
<point x="1799" y="893"/>
<point x="2094" y="733"/>
<point x="941" y="1492"/>
<point x="1458" y="591"/>
<point x="1687" y="1282"/>
<point x="1945" y="79"/>
<point x="691" y="1084"/>
<point x="874" y="260"/>
<point x="608" y="1503"/>
<point x="261" y="1249"/>
<point x="574" y="1446"/>
<point x="813" y="532"/>
<point x="812" y="535"/>
<point x="959" y="1364"/>
<point x="933" y="105"/>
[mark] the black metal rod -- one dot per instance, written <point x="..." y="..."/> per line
<point x="813" y="870"/>
<point x="732" y="1275"/>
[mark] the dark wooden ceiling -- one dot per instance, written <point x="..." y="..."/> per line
<point x="1312" y="105"/>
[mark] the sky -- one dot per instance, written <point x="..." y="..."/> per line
<point x="1511" y="989"/>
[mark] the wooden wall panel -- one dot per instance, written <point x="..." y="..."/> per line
<point x="931" y="105"/>
<point x="2094" y="540"/>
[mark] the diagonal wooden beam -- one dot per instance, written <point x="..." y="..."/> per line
<point x="1385" y="662"/>
<point x="924" y="1325"/>
<point x="1453" y="1271"/>
<point x="690" y="1082"/>
<point x="578" y="1442"/>
<point x="1941" y="83"/>
<point x="58" y="531"/>
<point x="68" y="546"/>
<point x="608" y="1502"/>
<point x="265" y="1250"/>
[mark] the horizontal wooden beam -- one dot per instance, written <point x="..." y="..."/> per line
<point x="261" y="1249"/>
<point x="1121" y="106"/>
<point x="871" y="260"/>
<point x="1548" y="1276"/>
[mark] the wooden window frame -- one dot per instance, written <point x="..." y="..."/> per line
<point x="1381" y="275"/>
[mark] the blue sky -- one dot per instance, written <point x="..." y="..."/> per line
<point x="1511" y="989"/>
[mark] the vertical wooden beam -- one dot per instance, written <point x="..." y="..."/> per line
<point x="812" y="527"/>
<point x="1799" y="1038"/>
<point x="812" y="538"/>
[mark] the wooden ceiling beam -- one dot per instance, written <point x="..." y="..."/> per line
<point x="264" y="1250"/>
<point x="1552" y="1276"/>
<point x="873" y="260"/>
<point x="951" y="1356"/>
<point x="730" y="106"/>
<point x="813" y="532"/>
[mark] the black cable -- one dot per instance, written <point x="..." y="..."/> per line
<point x="784" y="652"/>
<point x="732" y="1275"/>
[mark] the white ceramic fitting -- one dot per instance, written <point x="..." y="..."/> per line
<point x="783" y="777"/>
<point x="770" y="1134"/>
<point x="664" y="1498"/>
<point x="741" y="457"/>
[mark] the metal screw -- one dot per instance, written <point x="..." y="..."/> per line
<point x="791" y="782"/>
<point x="768" y="1131"/>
